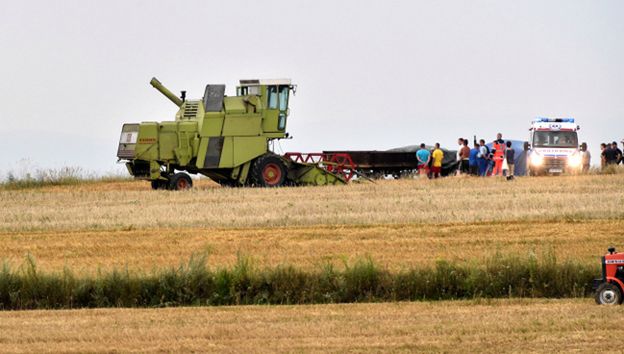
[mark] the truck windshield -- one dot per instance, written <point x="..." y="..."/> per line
<point x="555" y="139"/>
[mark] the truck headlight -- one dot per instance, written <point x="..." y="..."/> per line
<point x="574" y="160"/>
<point x="536" y="159"/>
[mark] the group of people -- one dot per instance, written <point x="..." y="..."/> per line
<point x="478" y="161"/>
<point x="610" y="154"/>
<point x="430" y="162"/>
<point x="483" y="161"/>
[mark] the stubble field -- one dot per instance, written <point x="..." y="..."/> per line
<point x="94" y="227"/>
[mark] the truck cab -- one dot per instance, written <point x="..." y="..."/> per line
<point x="554" y="146"/>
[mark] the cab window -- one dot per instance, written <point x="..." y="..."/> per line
<point x="272" y="97"/>
<point x="283" y="97"/>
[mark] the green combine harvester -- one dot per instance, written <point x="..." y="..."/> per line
<point x="225" y="138"/>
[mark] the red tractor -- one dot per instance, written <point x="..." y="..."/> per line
<point x="610" y="287"/>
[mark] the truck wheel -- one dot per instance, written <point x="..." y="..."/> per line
<point x="180" y="181"/>
<point x="608" y="294"/>
<point x="268" y="171"/>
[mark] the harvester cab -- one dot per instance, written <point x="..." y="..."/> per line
<point x="610" y="287"/>
<point x="225" y="138"/>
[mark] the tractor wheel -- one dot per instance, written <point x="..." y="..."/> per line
<point x="608" y="294"/>
<point x="268" y="171"/>
<point x="180" y="181"/>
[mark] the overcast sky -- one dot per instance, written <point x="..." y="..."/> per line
<point x="370" y="74"/>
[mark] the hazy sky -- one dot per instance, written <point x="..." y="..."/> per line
<point x="370" y="74"/>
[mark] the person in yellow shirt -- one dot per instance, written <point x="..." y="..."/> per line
<point x="437" y="156"/>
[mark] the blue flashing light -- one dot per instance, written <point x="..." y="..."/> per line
<point x="553" y="120"/>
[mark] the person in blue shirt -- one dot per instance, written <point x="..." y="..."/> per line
<point x="483" y="158"/>
<point x="472" y="160"/>
<point x="423" y="156"/>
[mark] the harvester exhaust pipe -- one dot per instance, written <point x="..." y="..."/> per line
<point x="173" y="98"/>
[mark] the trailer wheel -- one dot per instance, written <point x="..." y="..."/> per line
<point x="180" y="181"/>
<point x="608" y="294"/>
<point x="268" y="171"/>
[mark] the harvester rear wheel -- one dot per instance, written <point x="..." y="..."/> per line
<point x="608" y="294"/>
<point x="268" y="171"/>
<point x="180" y="181"/>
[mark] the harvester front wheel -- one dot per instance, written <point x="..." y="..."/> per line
<point x="608" y="294"/>
<point x="268" y="171"/>
<point x="180" y="181"/>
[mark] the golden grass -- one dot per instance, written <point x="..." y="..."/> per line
<point x="397" y="223"/>
<point x="456" y="326"/>
<point x="392" y="246"/>
<point x="461" y="200"/>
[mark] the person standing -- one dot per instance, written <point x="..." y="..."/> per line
<point x="585" y="157"/>
<point x="482" y="158"/>
<point x="510" y="158"/>
<point x="472" y="160"/>
<point x="617" y="152"/>
<point x="437" y="156"/>
<point x="603" y="155"/>
<point x="460" y="143"/>
<point x="423" y="156"/>
<point x="610" y="155"/>
<point x="498" y="146"/>
<point x="464" y="157"/>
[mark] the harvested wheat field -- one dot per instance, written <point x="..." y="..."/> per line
<point x="396" y="223"/>
<point x="453" y="200"/>
<point x="449" y="326"/>
<point x="392" y="246"/>
<point x="99" y="227"/>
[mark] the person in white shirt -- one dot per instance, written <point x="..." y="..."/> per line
<point x="585" y="157"/>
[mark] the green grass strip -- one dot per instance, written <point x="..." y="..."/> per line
<point x="196" y="284"/>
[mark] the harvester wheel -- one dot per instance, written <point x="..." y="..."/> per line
<point x="608" y="294"/>
<point x="180" y="181"/>
<point x="268" y="171"/>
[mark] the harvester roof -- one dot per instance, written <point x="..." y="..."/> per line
<point x="256" y="82"/>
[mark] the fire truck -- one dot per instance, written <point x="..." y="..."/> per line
<point x="554" y="146"/>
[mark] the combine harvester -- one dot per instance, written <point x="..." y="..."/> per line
<point x="226" y="139"/>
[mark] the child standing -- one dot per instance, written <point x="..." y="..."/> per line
<point x="510" y="155"/>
